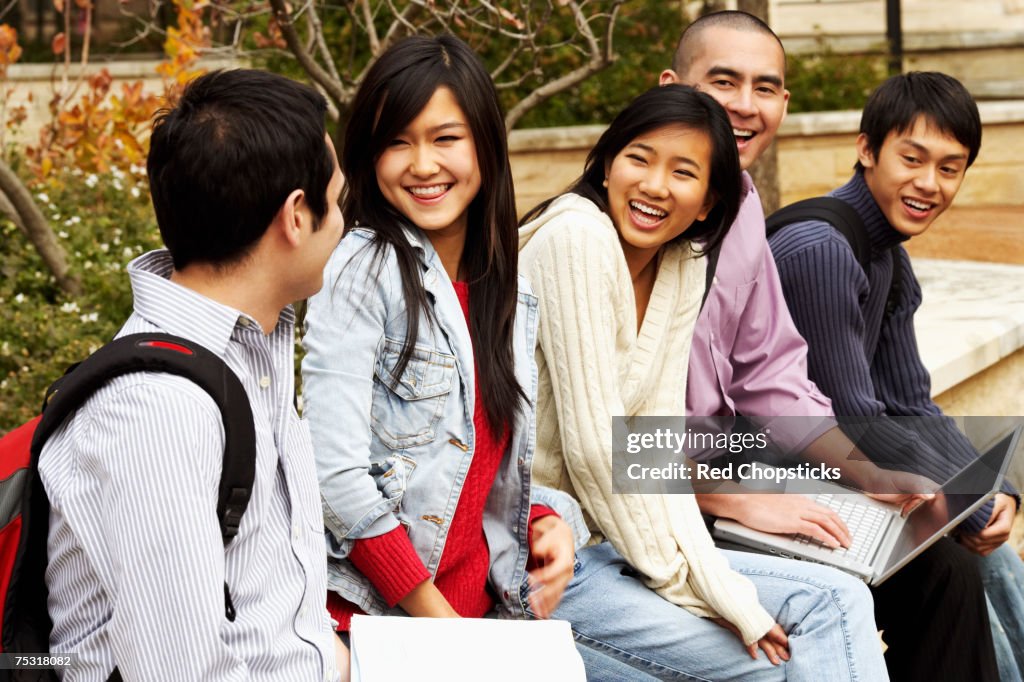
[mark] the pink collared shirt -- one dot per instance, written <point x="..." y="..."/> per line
<point x="747" y="356"/>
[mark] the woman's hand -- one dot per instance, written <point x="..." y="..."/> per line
<point x="774" y="644"/>
<point x="553" y="553"/>
<point x="426" y="601"/>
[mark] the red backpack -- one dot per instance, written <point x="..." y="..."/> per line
<point x="24" y="509"/>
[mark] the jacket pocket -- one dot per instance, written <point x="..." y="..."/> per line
<point x="406" y="408"/>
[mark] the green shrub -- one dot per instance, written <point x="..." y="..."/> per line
<point x="103" y="221"/>
<point x="828" y="81"/>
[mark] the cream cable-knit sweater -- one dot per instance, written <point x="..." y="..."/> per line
<point x="592" y="366"/>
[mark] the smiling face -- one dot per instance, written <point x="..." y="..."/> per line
<point x="744" y="71"/>
<point x="429" y="171"/>
<point x="916" y="175"/>
<point x="657" y="188"/>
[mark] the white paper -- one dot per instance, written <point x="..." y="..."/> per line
<point x="389" y="648"/>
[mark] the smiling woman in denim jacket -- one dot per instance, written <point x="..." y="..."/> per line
<point x="419" y="375"/>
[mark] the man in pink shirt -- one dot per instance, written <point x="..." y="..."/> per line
<point x="747" y="358"/>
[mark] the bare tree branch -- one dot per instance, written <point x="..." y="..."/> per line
<point x="316" y="29"/>
<point x="371" y="29"/>
<point x="31" y="221"/>
<point x="334" y="89"/>
<point x="599" y="60"/>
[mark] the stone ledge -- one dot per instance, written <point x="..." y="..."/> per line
<point x="841" y="122"/>
<point x="971" y="318"/>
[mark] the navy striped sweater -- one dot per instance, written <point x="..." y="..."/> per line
<point x="867" y="363"/>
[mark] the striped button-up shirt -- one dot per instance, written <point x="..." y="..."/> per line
<point x="137" y="565"/>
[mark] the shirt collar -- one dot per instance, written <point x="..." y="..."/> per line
<point x="881" y="235"/>
<point x="183" y="312"/>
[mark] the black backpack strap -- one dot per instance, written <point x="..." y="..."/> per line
<point x="172" y="355"/>
<point x="151" y="352"/>
<point x="709" y="273"/>
<point x="895" y="285"/>
<point x="836" y="213"/>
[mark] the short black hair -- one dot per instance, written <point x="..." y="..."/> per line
<point x="672" y="104"/>
<point x="686" y="49"/>
<point x="943" y="100"/>
<point x="223" y="159"/>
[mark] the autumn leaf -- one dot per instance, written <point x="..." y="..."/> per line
<point x="59" y="6"/>
<point x="59" y="44"/>
<point x="83" y="4"/>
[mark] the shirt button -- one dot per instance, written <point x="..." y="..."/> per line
<point x="295" y="532"/>
<point x="244" y="321"/>
<point x="303" y="611"/>
<point x="714" y="280"/>
<point x="264" y="382"/>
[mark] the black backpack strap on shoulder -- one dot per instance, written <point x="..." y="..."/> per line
<point x="836" y="213"/>
<point x="156" y="352"/>
<point x="896" y="284"/>
<point x="709" y="273"/>
<point x="172" y="355"/>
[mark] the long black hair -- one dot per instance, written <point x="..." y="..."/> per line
<point x="659" y="107"/>
<point x="396" y="89"/>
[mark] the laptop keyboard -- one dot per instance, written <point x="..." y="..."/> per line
<point x="864" y="521"/>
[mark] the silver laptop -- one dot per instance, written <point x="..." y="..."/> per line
<point x="884" y="541"/>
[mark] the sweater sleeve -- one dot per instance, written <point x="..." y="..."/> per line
<point x="903" y="384"/>
<point x="816" y="280"/>
<point x="585" y="294"/>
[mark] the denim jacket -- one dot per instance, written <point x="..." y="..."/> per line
<point x="400" y="455"/>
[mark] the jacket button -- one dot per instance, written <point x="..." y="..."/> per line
<point x="505" y="594"/>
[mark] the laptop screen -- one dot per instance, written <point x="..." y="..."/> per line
<point x="954" y="502"/>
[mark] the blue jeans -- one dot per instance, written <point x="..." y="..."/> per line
<point x="1002" y="573"/>
<point x="827" y="615"/>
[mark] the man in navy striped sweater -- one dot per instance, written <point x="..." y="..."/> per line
<point x="919" y="134"/>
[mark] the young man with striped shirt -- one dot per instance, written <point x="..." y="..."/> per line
<point x="245" y="187"/>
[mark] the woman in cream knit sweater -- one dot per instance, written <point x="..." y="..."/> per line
<point x="620" y="284"/>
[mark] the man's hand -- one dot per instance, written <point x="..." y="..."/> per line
<point x="996" y="531"/>
<point x="908" y="491"/>
<point x="344" y="662"/>
<point x="552" y="552"/>
<point x="781" y="513"/>
<point x="774" y="644"/>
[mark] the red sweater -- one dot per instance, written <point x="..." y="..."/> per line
<point x="390" y="561"/>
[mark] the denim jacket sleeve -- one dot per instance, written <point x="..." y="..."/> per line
<point x="345" y="326"/>
<point x="566" y="507"/>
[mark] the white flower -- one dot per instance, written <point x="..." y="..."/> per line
<point x="135" y="192"/>
<point x="117" y="184"/>
<point x="91" y="180"/>
<point x="104" y="247"/>
<point x="5" y="349"/>
<point x="20" y="298"/>
<point x="69" y="307"/>
<point x="127" y="253"/>
<point x="62" y="234"/>
<point x="43" y="197"/>
<point x="55" y="216"/>
<point x="75" y="219"/>
<point x="89" y="317"/>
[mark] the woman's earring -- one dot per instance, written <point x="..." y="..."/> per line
<point x="605" y="183"/>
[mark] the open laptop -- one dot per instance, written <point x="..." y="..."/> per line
<point x="884" y="541"/>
